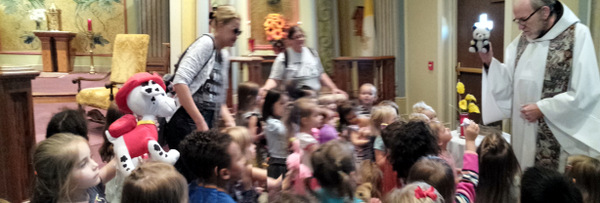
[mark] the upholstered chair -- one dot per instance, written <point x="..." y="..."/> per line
<point x="130" y="52"/>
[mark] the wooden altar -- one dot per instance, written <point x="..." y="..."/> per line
<point x="56" y="50"/>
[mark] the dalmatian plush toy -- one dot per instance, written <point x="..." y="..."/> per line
<point x="142" y="96"/>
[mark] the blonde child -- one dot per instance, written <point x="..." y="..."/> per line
<point x="417" y="192"/>
<point x="275" y="132"/>
<point x="328" y="101"/>
<point x="436" y="172"/>
<point x="381" y="116"/>
<point x="304" y="115"/>
<point x="499" y="171"/>
<point x="155" y="182"/>
<point x="585" y="173"/>
<point x="245" y="191"/>
<point x="422" y="107"/>
<point x="367" y="95"/>
<point x="66" y="171"/>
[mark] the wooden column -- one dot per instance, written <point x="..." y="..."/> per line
<point x="56" y="50"/>
<point x="17" y="134"/>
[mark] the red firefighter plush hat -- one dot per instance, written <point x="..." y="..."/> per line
<point x="133" y="82"/>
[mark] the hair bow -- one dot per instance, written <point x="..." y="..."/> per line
<point x="419" y="193"/>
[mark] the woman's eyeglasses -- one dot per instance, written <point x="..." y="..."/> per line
<point x="237" y="31"/>
<point x="523" y="20"/>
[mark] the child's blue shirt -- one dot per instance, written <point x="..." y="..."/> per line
<point x="199" y="194"/>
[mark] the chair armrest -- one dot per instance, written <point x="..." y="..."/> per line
<point x="79" y="79"/>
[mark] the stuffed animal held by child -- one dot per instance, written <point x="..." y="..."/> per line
<point x="480" y="42"/>
<point x="142" y="96"/>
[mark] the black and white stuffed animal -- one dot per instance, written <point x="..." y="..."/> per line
<point x="480" y="42"/>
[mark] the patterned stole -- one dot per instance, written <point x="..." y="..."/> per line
<point x="556" y="80"/>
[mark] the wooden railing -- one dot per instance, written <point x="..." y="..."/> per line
<point x="376" y="70"/>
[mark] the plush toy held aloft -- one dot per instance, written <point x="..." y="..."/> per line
<point x="142" y="96"/>
<point x="480" y="42"/>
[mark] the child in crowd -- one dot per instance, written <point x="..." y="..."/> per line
<point x="248" y="115"/>
<point x="68" y="121"/>
<point x="114" y="187"/>
<point x="541" y="184"/>
<point x="369" y="173"/>
<point x="390" y="104"/>
<point x="348" y="120"/>
<point x="327" y="131"/>
<point x="436" y="172"/>
<point x="65" y="171"/>
<point x="334" y="167"/>
<point x="155" y="182"/>
<point x="585" y="173"/>
<point x="500" y="173"/>
<point x="275" y="132"/>
<point x="248" y="112"/>
<point x="328" y="101"/>
<point x="444" y="136"/>
<point x="216" y="161"/>
<point x="303" y="117"/>
<point x="381" y="116"/>
<point x="422" y="107"/>
<point x="367" y="95"/>
<point x="244" y="190"/>
<point x="407" y="143"/>
<point x="417" y="192"/>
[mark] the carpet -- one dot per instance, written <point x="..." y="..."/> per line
<point x="64" y="84"/>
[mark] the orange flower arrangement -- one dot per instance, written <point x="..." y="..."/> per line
<point x="274" y="26"/>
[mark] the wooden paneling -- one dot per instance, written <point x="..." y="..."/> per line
<point x="376" y="70"/>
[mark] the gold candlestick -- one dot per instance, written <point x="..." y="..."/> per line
<point x="90" y="36"/>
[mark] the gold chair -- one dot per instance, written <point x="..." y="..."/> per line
<point x="130" y="52"/>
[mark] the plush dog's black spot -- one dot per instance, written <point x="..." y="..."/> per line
<point x="166" y="155"/>
<point x="163" y="94"/>
<point x="127" y="169"/>
<point x="145" y="84"/>
<point x="160" y="153"/>
<point x="153" y="99"/>
<point x="152" y="82"/>
<point x="124" y="165"/>
<point x="156" y="89"/>
<point x="123" y="158"/>
<point x="149" y="90"/>
<point x="156" y="147"/>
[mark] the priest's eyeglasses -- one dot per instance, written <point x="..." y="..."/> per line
<point x="524" y="20"/>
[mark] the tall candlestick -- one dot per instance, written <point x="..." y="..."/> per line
<point x="89" y="24"/>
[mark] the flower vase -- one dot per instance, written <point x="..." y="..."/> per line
<point x="461" y="119"/>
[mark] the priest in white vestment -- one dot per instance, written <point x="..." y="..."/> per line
<point x="548" y="85"/>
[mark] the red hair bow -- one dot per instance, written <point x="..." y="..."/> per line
<point x="419" y="193"/>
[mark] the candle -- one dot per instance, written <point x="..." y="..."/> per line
<point x="89" y="24"/>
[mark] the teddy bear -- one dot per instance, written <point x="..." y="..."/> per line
<point x="142" y="98"/>
<point x="480" y="42"/>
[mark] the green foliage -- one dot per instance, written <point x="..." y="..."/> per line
<point x="106" y="5"/>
